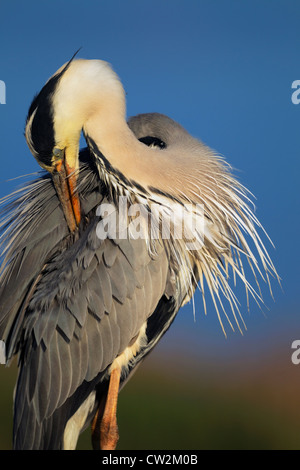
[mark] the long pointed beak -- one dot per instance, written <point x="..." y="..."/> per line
<point x="65" y="181"/>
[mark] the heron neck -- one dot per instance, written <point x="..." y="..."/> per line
<point x="127" y="154"/>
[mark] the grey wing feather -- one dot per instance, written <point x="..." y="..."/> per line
<point x="68" y="327"/>
<point x="26" y="250"/>
<point x="76" y="361"/>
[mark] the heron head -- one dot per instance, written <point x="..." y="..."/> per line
<point x="58" y="113"/>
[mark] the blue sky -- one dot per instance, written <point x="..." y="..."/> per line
<point x="224" y="70"/>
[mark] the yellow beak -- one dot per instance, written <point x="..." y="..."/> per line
<point x="64" y="176"/>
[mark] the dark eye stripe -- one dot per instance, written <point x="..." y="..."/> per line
<point x="149" y="140"/>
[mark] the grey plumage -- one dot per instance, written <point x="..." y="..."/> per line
<point x="71" y="304"/>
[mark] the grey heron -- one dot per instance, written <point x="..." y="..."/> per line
<point x="81" y="310"/>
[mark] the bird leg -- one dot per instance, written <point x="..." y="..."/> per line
<point x="105" y="433"/>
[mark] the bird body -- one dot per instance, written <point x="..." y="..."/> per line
<point x="79" y="307"/>
<point x="92" y="315"/>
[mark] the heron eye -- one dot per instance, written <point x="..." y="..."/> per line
<point x="153" y="142"/>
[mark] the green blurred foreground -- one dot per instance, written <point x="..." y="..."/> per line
<point x="169" y="406"/>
